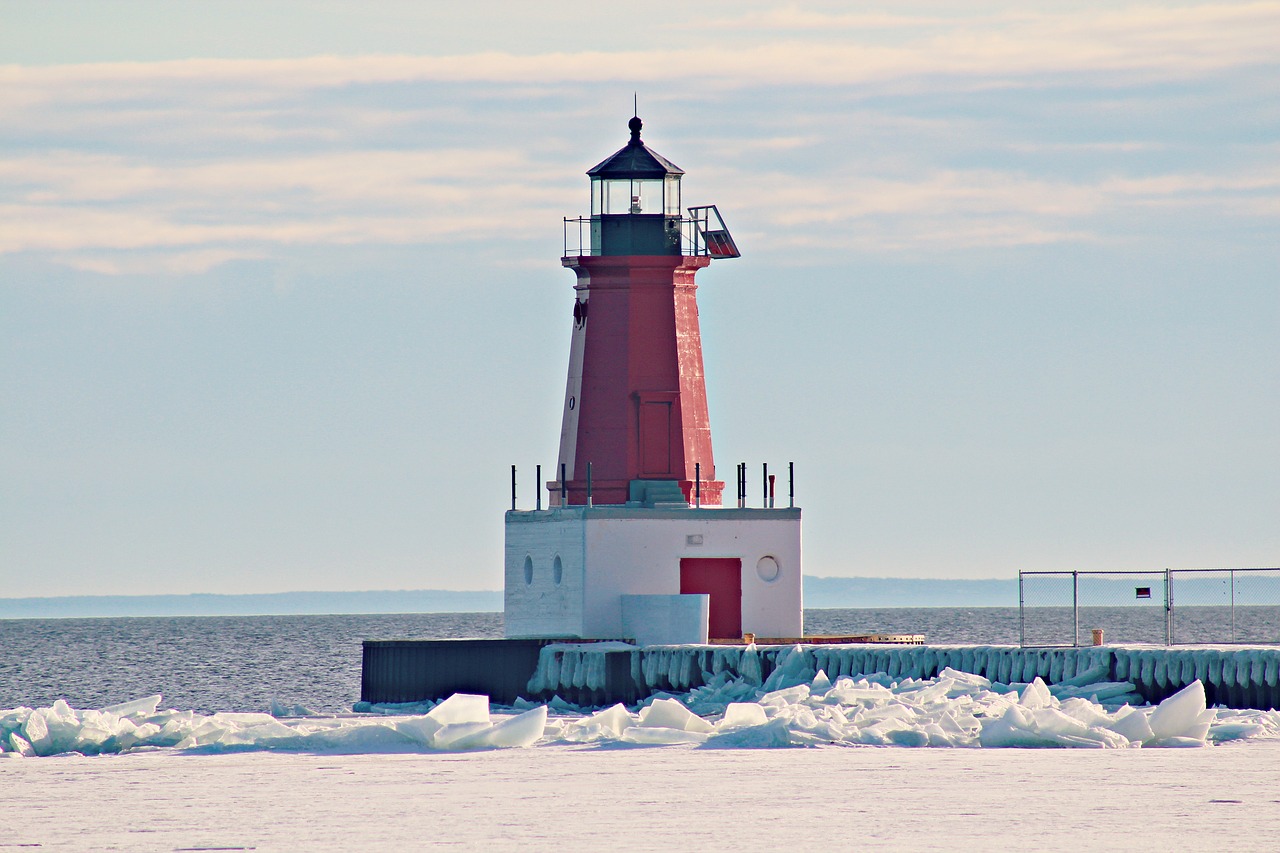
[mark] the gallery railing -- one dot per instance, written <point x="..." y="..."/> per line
<point x="701" y="233"/>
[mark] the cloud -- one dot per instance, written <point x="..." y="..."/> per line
<point x="170" y="263"/>
<point x="813" y="128"/>
<point x="1149" y="39"/>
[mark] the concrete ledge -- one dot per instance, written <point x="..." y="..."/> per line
<point x="536" y="516"/>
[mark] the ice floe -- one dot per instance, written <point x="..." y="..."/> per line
<point x="793" y="707"/>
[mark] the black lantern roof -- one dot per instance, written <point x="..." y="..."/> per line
<point x="636" y="160"/>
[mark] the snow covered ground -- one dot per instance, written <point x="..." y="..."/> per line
<point x="794" y="761"/>
<point x="575" y="797"/>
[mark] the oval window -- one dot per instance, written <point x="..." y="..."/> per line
<point x="767" y="568"/>
<point x="557" y="570"/>
<point x="528" y="571"/>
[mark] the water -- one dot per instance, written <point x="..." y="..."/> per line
<point x="242" y="663"/>
<point x="209" y="663"/>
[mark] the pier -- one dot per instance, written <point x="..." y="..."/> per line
<point x="602" y="673"/>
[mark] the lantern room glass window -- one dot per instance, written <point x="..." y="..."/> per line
<point x="635" y="195"/>
<point x="671" y="194"/>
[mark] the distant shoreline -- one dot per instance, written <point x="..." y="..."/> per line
<point x="819" y="593"/>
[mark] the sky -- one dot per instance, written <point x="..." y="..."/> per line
<point x="281" y="298"/>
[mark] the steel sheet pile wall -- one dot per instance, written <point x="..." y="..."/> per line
<point x="1236" y="677"/>
<point x="604" y="673"/>
<point x="397" y="671"/>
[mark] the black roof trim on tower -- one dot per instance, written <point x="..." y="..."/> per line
<point x="636" y="160"/>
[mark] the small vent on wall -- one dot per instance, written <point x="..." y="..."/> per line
<point x="692" y="540"/>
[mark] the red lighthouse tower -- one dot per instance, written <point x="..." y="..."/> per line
<point x="636" y="428"/>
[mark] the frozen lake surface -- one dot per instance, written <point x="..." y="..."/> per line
<point x="581" y="798"/>
<point x="634" y="787"/>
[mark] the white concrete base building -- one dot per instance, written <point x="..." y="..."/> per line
<point x="577" y="572"/>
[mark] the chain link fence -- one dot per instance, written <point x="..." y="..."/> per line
<point x="1167" y="607"/>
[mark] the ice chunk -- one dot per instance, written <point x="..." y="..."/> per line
<point x="742" y="714"/>
<point x="515" y="732"/>
<point x="1236" y="730"/>
<point x="242" y="718"/>
<point x="143" y="707"/>
<point x="36" y="732"/>
<point x="966" y="679"/>
<point x="786" y="696"/>
<point x="607" y="724"/>
<point x="1204" y="722"/>
<point x="279" y="709"/>
<point x="821" y="683"/>
<point x="658" y="735"/>
<point x="1085" y="711"/>
<point x="456" y="735"/>
<point x="1053" y="724"/>
<point x="793" y="669"/>
<point x="269" y="735"/>
<point x="768" y="736"/>
<point x="1092" y="675"/>
<point x="368" y="737"/>
<point x="670" y="713"/>
<point x="908" y="737"/>
<point x="1036" y="695"/>
<point x="21" y="746"/>
<point x="1133" y="726"/>
<point x="1180" y="713"/>
<point x="419" y="729"/>
<point x="1023" y="726"/>
<point x="1183" y="742"/>
<point x="461" y="708"/>
<point x="140" y="735"/>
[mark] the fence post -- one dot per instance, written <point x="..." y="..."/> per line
<point x="1075" y="608"/>
<point x="1022" y="618"/>
<point x="1233" y="605"/>
<point x="1168" y="607"/>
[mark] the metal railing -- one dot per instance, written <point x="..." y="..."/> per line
<point x="579" y="241"/>
<point x="768" y="487"/>
<point x="1167" y="606"/>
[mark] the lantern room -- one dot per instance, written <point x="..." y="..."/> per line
<point x="636" y="179"/>
<point x="635" y="201"/>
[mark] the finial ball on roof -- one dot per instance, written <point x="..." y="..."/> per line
<point x="635" y="124"/>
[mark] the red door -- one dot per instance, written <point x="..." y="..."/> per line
<point x="720" y="578"/>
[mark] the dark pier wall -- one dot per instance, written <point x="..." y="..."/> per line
<point x="599" y="674"/>
<point x="395" y="671"/>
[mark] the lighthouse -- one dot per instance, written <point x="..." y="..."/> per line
<point x="636" y="542"/>
<point x="635" y="409"/>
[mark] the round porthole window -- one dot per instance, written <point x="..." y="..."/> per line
<point x="767" y="568"/>
<point x="528" y="571"/>
<point x="557" y="570"/>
